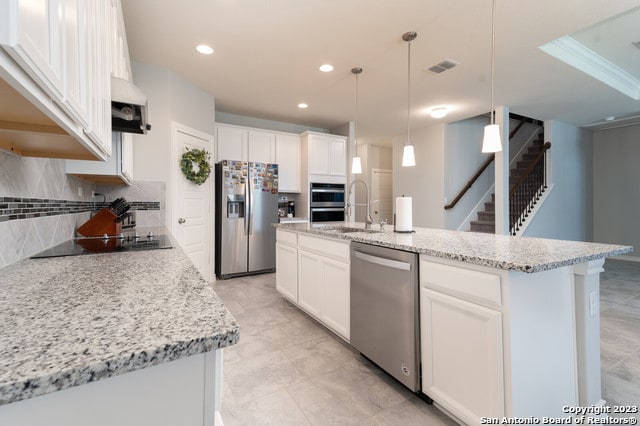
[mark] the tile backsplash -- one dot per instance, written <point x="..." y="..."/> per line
<point x="45" y="209"/>
<point x="40" y="205"/>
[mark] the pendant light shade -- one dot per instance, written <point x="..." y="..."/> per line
<point x="408" y="156"/>
<point x="491" y="141"/>
<point x="356" y="165"/>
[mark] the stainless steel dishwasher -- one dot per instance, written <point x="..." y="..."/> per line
<point x="384" y="310"/>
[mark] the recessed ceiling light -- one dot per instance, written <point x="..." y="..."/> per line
<point x="326" y="68"/>
<point x="302" y="105"/>
<point x="439" y="112"/>
<point x="204" y="49"/>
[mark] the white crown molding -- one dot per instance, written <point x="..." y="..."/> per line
<point x="576" y="54"/>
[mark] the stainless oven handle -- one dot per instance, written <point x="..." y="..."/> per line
<point x="337" y="209"/>
<point x="327" y="190"/>
<point x="395" y="264"/>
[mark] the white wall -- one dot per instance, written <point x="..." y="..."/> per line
<point x="463" y="157"/>
<point x="616" y="176"/>
<point x="567" y="212"/>
<point x="425" y="181"/>
<point x="171" y="98"/>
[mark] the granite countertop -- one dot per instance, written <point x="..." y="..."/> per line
<point x="523" y="254"/>
<point x="67" y="321"/>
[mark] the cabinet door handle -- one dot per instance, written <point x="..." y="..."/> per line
<point x="181" y="220"/>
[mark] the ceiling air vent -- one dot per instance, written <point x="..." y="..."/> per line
<point x="443" y="66"/>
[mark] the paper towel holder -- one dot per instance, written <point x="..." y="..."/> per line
<point x="400" y="232"/>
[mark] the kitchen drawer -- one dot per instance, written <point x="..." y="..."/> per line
<point x="472" y="285"/>
<point x="328" y="247"/>
<point x="287" y="237"/>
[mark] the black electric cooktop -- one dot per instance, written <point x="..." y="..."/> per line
<point x="93" y="245"/>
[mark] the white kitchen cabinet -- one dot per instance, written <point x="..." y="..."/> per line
<point x="321" y="274"/>
<point x="287" y="264"/>
<point x="33" y="36"/>
<point x="326" y="157"/>
<point x="324" y="281"/>
<point x="311" y="282"/>
<point x="62" y="68"/>
<point x="116" y="170"/>
<point x="231" y="143"/>
<point x="336" y="296"/>
<point x="461" y="356"/>
<point x="262" y="147"/>
<point x="288" y="160"/>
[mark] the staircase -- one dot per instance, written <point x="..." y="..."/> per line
<point x="486" y="218"/>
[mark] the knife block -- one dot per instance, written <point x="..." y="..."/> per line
<point x="100" y="223"/>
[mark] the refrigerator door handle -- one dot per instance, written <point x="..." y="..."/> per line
<point x="250" y="216"/>
<point x="247" y="209"/>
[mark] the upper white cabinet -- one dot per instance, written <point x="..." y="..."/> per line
<point x="326" y="157"/>
<point x="56" y="60"/>
<point x="118" y="168"/>
<point x="231" y="143"/>
<point x="288" y="160"/>
<point x="263" y="146"/>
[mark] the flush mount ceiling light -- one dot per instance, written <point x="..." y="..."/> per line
<point x="326" y="68"/>
<point x="302" y="105"/>
<point x="491" y="141"/>
<point x="408" y="156"/>
<point x="439" y="112"/>
<point x="204" y="49"/>
<point x="356" y="165"/>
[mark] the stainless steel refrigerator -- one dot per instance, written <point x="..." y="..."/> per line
<point x="246" y="208"/>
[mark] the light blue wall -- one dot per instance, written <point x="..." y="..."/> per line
<point x="463" y="157"/>
<point x="616" y="186"/>
<point x="567" y="212"/>
<point x="259" y="123"/>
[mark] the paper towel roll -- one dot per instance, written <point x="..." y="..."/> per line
<point x="403" y="214"/>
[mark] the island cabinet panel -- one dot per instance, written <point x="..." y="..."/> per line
<point x="462" y="356"/>
<point x="186" y="392"/>
<point x="497" y="343"/>
<point x="319" y="282"/>
<point x="311" y="282"/>
<point x="287" y="265"/>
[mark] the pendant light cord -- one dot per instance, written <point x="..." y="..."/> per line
<point x="493" y="48"/>
<point x="356" y="130"/>
<point x="408" y="91"/>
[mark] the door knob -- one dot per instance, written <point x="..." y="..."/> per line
<point x="181" y="220"/>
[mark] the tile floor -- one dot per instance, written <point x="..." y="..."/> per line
<point x="290" y="370"/>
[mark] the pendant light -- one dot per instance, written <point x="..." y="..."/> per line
<point x="491" y="141"/>
<point x="408" y="156"/>
<point x="356" y="165"/>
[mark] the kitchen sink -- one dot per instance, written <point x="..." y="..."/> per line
<point x="347" y="230"/>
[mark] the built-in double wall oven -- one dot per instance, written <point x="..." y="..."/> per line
<point x="327" y="202"/>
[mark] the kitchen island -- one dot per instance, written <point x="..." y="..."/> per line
<point x="119" y="338"/>
<point x="509" y="325"/>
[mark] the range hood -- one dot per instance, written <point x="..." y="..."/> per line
<point x="128" y="107"/>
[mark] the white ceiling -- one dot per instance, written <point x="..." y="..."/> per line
<point x="267" y="54"/>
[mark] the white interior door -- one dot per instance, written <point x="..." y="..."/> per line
<point x="192" y="221"/>
<point x="381" y="192"/>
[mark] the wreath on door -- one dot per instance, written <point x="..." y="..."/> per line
<point x="199" y="158"/>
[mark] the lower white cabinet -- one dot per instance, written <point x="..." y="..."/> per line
<point x="287" y="267"/>
<point x="314" y="273"/>
<point x="461" y="346"/>
<point x="311" y="281"/>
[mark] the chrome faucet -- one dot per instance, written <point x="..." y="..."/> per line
<point x="368" y="221"/>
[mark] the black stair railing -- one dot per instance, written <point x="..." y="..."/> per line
<point x="528" y="190"/>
